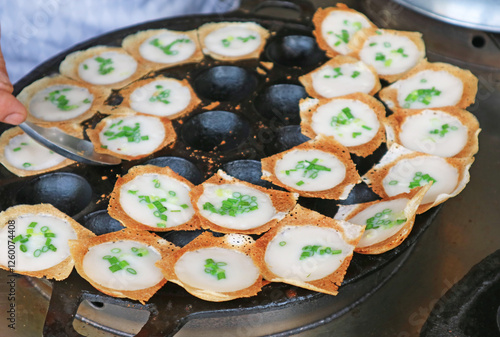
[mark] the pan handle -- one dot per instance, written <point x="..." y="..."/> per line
<point x="304" y="8"/>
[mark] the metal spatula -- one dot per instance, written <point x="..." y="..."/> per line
<point x="68" y="146"/>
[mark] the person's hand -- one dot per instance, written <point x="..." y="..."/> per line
<point x="11" y="110"/>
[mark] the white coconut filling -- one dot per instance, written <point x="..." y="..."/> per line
<point x="168" y="47"/>
<point x="216" y="269"/>
<point x="233" y="41"/>
<point x="338" y="28"/>
<point x="157" y="200"/>
<point x="407" y="174"/>
<point x="107" y="68"/>
<point x="390" y="54"/>
<point x="310" y="170"/>
<point x="344" y="79"/>
<point x="41" y="242"/>
<point x="306" y="253"/>
<point x="123" y="265"/>
<point x="236" y="206"/>
<point x="161" y="98"/>
<point x="434" y="132"/>
<point x="60" y="103"/>
<point x="132" y="136"/>
<point x="350" y="122"/>
<point x="381" y="220"/>
<point x="24" y="153"/>
<point x="429" y="89"/>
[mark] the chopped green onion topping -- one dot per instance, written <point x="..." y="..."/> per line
<point x="400" y="51"/>
<point x="61" y="101"/>
<point x="343" y="118"/>
<point x="418" y="178"/>
<point x="344" y="36"/>
<point x="30" y="231"/>
<point x="310" y="169"/>
<point x="133" y="134"/>
<point x="445" y="128"/>
<point x="393" y="182"/>
<point x="157" y="183"/>
<point x="422" y="95"/>
<point x="105" y="65"/>
<point x="355" y="74"/>
<point x="184" y="206"/>
<point x="310" y="251"/>
<point x="246" y="39"/>
<point x="379" y="57"/>
<point x="16" y="149"/>
<point x="139" y="251"/>
<point x="215" y="268"/>
<point x="167" y="49"/>
<point x="117" y="264"/>
<point x="237" y="204"/>
<point x="160" y="95"/>
<point x="357" y="25"/>
<point x="384" y="219"/>
<point x="282" y="243"/>
<point x="17" y="238"/>
<point x="338" y="72"/>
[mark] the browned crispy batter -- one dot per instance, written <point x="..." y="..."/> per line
<point x="283" y="202"/>
<point x="307" y="112"/>
<point x="246" y="245"/>
<point x="115" y="209"/>
<point x="69" y="66"/>
<point x="79" y="249"/>
<point x="322" y="143"/>
<point x="317" y="20"/>
<point x="390" y="94"/>
<point x="133" y="42"/>
<point x="63" y="269"/>
<point x="300" y="216"/>
<point x="208" y="28"/>
<point x="121" y="112"/>
<point x="128" y="90"/>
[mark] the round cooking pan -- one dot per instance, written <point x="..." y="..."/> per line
<point x="257" y="116"/>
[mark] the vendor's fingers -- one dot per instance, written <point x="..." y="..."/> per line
<point x="11" y="110"/>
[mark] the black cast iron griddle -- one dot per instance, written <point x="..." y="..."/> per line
<point x="257" y="116"/>
<point x="471" y="308"/>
